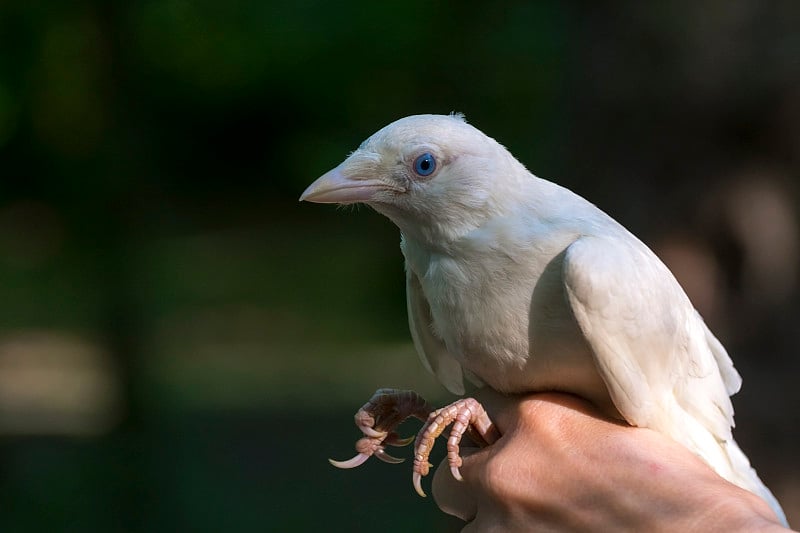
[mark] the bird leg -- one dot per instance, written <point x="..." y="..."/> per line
<point x="377" y="419"/>
<point x="466" y="415"/>
<point x="388" y="408"/>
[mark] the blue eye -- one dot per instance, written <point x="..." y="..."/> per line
<point x="425" y="164"/>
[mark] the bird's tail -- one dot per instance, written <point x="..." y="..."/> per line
<point x="746" y="477"/>
<point x="724" y="456"/>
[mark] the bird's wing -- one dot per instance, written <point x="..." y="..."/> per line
<point x="650" y="345"/>
<point x="431" y="350"/>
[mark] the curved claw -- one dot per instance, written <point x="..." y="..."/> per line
<point x="394" y="440"/>
<point x="358" y="460"/>
<point x="417" y="480"/>
<point x="456" y="473"/>
<point x="369" y="432"/>
<point x="386" y="458"/>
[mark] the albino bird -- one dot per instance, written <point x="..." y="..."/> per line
<point x="519" y="284"/>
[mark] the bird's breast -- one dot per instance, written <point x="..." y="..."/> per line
<point x="509" y="324"/>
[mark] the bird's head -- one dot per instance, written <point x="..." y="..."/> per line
<point x="435" y="176"/>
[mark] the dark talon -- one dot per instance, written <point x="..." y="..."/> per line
<point x="381" y="454"/>
<point x="394" y="440"/>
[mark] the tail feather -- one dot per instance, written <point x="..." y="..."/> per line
<point x="724" y="456"/>
<point x="747" y="478"/>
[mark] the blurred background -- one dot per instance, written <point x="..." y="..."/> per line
<point x="183" y="345"/>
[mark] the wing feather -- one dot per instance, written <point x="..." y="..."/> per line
<point x="652" y="349"/>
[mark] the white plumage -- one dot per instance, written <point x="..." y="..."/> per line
<point x="522" y="285"/>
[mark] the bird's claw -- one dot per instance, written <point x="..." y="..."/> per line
<point x="369" y="432"/>
<point x="377" y="419"/>
<point x="361" y="457"/>
<point x="388" y="408"/>
<point x="416" y="479"/>
<point x="358" y="460"/>
<point x="394" y="440"/>
<point x="381" y="454"/>
<point x="464" y="414"/>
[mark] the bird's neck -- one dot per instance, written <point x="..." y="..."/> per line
<point x="541" y="212"/>
<point x="436" y="229"/>
<point x="420" y="244"/>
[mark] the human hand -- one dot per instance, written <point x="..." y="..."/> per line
<point x="561" y="465"/>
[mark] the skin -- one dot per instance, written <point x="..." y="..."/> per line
<point x="560" y="465"/>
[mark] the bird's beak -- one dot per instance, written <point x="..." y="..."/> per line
<point x="342" y="186"/>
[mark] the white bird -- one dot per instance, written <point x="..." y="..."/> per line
<point x="519" y="284"/>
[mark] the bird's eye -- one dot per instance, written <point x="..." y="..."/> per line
<point x="425" y="164"/>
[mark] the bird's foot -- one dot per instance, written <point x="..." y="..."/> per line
<point x="465" y="415"/>
<point x="377" y="420"/>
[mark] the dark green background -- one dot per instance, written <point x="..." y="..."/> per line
<point x="151" y="156"/>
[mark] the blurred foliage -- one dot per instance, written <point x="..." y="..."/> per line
<point x="152" y="154"/>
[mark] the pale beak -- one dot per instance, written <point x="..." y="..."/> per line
<point x="337" y="187"/>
